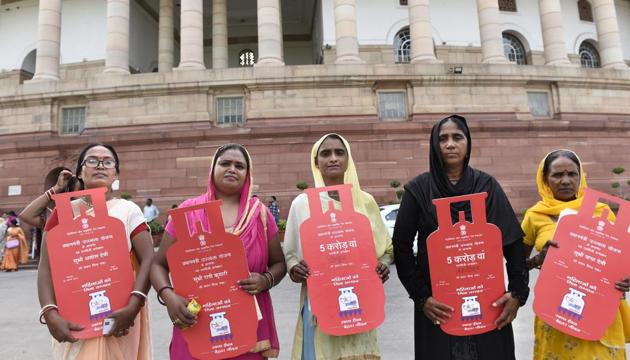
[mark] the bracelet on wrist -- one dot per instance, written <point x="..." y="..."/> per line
<point x="44" y="310"/>
<point x="268" y="280"/>
<point x="159" y="293"/>
<point x="139" y="294"/>
<point x="272" y="279"/>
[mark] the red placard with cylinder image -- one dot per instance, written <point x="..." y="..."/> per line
<point x="206" y="266"/>
<point x="575" y="292"/>
<point x="89" y="262"/>
<point x="466" y="264"/>
<point x="345" y="292"/>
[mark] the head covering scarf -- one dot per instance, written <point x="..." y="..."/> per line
<point x="540" y="229"/>
<point x="364" y="203"/>
<point x="255" y="226"/>
<point x="435" y="185"/>
<point x="548" y="204"/>
<point x="249" y="207"/>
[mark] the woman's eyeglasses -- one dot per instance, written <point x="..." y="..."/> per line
<point x="93" y="162"/>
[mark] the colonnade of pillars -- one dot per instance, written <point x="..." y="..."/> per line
<point x="270" y="35"/>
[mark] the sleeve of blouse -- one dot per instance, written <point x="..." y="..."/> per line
<point x="404" y="234"/>
<point x="518" y="275"/>
<point x="291" y="246"/>
<point x="135" y="217"/>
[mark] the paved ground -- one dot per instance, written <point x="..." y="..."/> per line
<point x="24" y="339"/>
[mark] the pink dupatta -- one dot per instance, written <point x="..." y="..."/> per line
<point x="255" y="226"/>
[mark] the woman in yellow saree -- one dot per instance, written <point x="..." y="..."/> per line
<point x="561" y="182"/>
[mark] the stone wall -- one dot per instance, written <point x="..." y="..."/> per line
<point x="163" y="125"/>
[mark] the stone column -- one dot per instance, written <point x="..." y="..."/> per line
<point x="608" y="39"/>
<point x="117" y="41"/>
<point x="346" y="32"/>
<point x="191" y="53"/>
<point x="219" y="34"/>
<point x="166" y="42"/>
<point x="48" y="40"/>
<point x="491" y="37"/>
<point x="421" y="32"/>
<point x="553" y="33"/>
<point x="270" y="44"/>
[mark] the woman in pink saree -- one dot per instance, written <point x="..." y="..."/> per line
<point x="230" y="180"/>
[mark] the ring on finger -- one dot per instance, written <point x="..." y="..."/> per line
<point x="436" y="322"/>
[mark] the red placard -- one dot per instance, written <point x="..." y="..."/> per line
<point x="345" y="292"/>
<point x="205" y="266"/>
<point x="466" y="264"/>
<point x="575" y="292"/>
<point x="89" y="262"/>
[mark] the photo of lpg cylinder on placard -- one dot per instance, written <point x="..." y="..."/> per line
<point x="219" y="327"/>
<point x="100" y="306"/>
<point x="348" y="302"/>
<point x="471" y="309"/>
<point x="573" y="304"/>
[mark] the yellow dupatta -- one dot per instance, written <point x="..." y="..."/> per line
<point x="364" y="203"/>
<point x="538" y="223"/>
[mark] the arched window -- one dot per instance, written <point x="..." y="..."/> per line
<point x="514" y="49"/>
<point x="589" y="56"/>
<point x="402" y="46"/>
<point x="28" y="64"/>
<point x="246" y="57"/>
<point x="507" y="5"/>
<point x="585" y="10"/>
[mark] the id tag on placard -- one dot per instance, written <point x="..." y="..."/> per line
<point x="89" y="262"/>
<point x="345" y="292"/>
<point x="466" y="265"/>
<point x="205" y="265"/>
<point x="575" y="292"/>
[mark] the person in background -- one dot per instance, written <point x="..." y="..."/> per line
<point x="274" y="208"/>
<point x="15" y="248"/>
<point x="150" y="211"/>
<point x="4" y="225"/>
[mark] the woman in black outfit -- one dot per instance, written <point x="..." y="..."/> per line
<point x="450" y="175"/>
